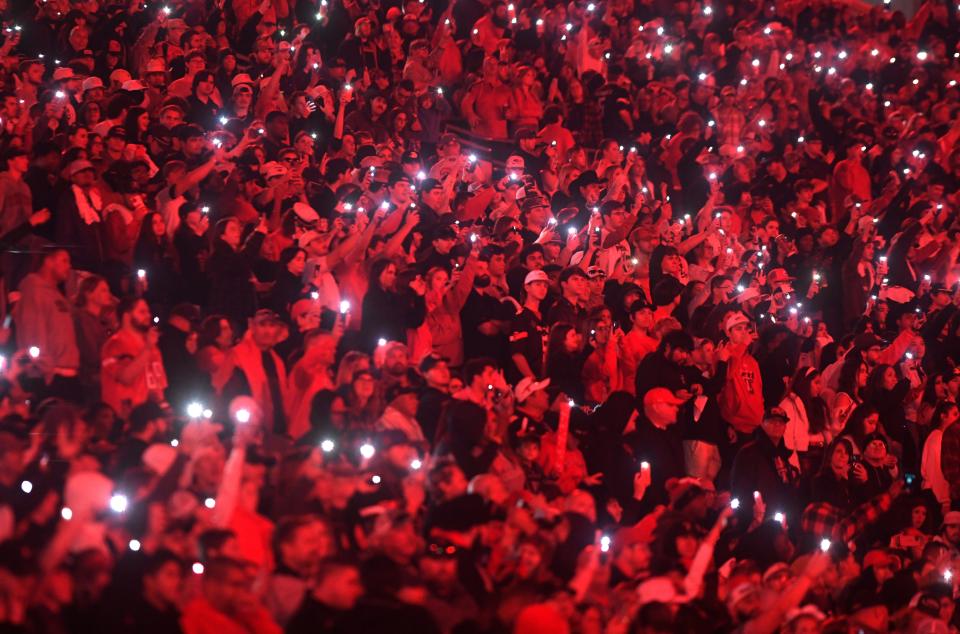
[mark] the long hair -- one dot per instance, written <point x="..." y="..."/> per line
<point x="816" y="408"/>
<point x="556" y="350"/>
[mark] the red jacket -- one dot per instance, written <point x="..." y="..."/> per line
<point x="741" y="399"/>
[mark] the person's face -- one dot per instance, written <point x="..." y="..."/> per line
<point x="206" y="86"/>
<point x="875" y="450"/>
<point x="680" y="356"/>
<point x="889" y="379"/>
<point x="537" y="290"/>
<point x="231" y="234"/>
<point x="534" y="261"/>
<point x="296" y="264"/>
<point x="35" y="74"/>
<point x="671" y="264"/>
<point x="774" y="428"/>
<point x="166" y="583"/>
<point x="614" y="220"/>
<point x="101" y="295"/>
<point x="952" y="533"/>
<point x="740" y="334"/>
<point x="60" y="266"/>
<point x="863" y="373"/>
<point x="497" y="265"/>
<point x="816" y="386"/>
<point x="443" y="247"/>
<point x="193" y="146"/>
<point x="396" y="361"/>
<point x="438" y="376"/>
<point x="400" y="192"/>
<point x="309" y="319"/>
<point x="195" y="65"/>
<point x="278" y="128"/>
<point x="592" y="193"/>
<point x="342" y="589"/>
<point x="440" y="279"/>
<point x="363" y="385"/>
<point x="572" y="341"/>
<point x="918" y="517"/>
<point x="140" y="317"/>
<point x="388" y="278"/>
<point x="840" y="460"/>
<point x="378" y="106"/>
<point x="576" y="287"/>
<point x="225" y="338"/>
<point x="171" y="118"/>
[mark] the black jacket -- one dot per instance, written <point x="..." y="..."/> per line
<point x="231" y="291"/>
<point x="761" y="466"/>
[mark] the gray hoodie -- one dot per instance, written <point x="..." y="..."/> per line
<point x="44" y="318"/>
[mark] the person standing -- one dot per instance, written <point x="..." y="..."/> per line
<point x="44" y="320"/>
<point x="132" y="366"/>
<point x="526" y="342"/>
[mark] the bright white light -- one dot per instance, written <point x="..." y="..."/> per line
<point x="375" y="479"/>
<point x="755" y="63"/>
<point x="875" y="52"/>
<point x="174" y="443"/>
<point x="605" y="544"/>
<point x="197" y="568"/>
<point x="825" y="544"/>
<point x="118" y="503"/>
<point x="922" y="55"/>
<point x="134" y="545"/>
<point x="26" y="486"/>
<point x="668" y="49"/>
<point x="788" y="57"/>
<point x="735" y="503"/>
<point x="869" y="86"/>
<point x="243" y="416"/>
<point x="381" y="342"/>
<point x="778" y="517"/>
<point x="707" y="10"/>
<point x="416" y="464"/>
<point x="842" y="55"/>
<point x="367" y="450"/>
<point x="327" y="446"/>
<point x="194" y="410"/>
<point x="34" y="352"/>
<point x="66" y="513"/>
<point x="210" y="503"/>
<point x="739" y="149"/>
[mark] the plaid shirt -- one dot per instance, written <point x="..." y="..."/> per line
<point x="826" y="520"/>
<point x="950" y="459"/>
<point x="730" y="123"/>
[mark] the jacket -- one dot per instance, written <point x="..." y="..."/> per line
<point x="762" y="466"/>
<point x="232" y="293"/>
<point x="44" y="319"/>
<point x="741" y="399"/>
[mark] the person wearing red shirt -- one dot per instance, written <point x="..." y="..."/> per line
<point x="132" y="364"/>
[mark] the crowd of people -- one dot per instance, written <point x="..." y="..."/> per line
<point x="473" y="316"/>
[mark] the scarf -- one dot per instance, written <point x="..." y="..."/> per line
<point x="88" y="204"/>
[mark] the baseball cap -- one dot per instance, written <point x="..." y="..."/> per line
<point x="266" y="316"/>
<point x="660" y="395"/>
<point x="305" y="213"/>
<point x="734" y="319"/>
<point x="241" y="79"/>
<point x="952" y="518"/>
<point x="78" y="166"/>
<point x="775" y="413"/>
<point x="91" y="83"/>
<point x="133" y="85"/>
<point x="156" y="65"/>
<point x="447" y="139"/>
<point x="740" y="593"/>
<point x="527" y="386"/>
<point x="536" y="276"/>
<point x="63" y="72"/>
<point x="778" y="276"/>
<point x="119" y="76"/>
